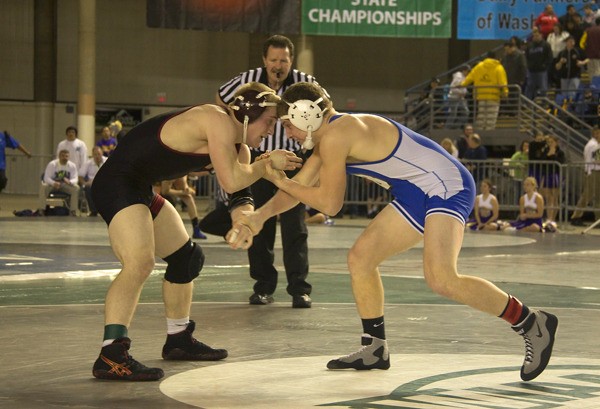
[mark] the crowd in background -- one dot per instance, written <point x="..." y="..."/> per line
<point x="550" y="61"/>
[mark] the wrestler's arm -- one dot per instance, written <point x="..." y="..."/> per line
<point x="328" y="195"/>
<point x="282" y="201"/>
<point x="242" y="233"/>
<point x="252" y="222"/>
<point x="233" y="175"/>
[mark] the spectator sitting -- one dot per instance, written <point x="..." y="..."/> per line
<point x="531" y="209"/>
<point x="447" y="144"/>
<point x="462" y="143"/>
<point x="86" y="177"/>
<point x="61" y="174"/>
<point x="178" y="188"/>
<point x="108" y="143"/>
<point x="476" y="151"/>
<point x="76" y="147"/>
<point x="116" y="130"/>
<point x="486" y="209"/>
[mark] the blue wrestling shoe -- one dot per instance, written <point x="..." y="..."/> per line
<point x="198" y="233"/>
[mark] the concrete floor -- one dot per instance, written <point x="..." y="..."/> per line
<point x="54" y="273"/>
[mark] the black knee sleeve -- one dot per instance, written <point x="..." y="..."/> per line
<point x="185" y="264"/>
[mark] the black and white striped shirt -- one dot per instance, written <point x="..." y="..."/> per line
<point x="278" y="140"/>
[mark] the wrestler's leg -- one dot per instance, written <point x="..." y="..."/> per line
<point x="170" y="235"/>
<point x="442" y="242"/>
<point x="132" y="239"/>
<point x="172" y="240"/>
<point x="374" y="245"/>
<point x="389" y="233"/>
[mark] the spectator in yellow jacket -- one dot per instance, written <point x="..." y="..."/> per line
<point x="489" y="79"/>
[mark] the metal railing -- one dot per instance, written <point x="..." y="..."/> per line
<point x="515" y="112"/>
<point x="364" y="196"/>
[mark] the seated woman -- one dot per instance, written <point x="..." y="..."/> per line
<point x="531" y="206"/>
<point x="486" y="209"/>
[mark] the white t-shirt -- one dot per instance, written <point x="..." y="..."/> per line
<point x="90" y="168"/>
<point x="55" y="172"/>
<point x="77" y="151"/>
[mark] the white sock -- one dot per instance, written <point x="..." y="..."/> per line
<point x="175" y="326"/>
<point x="107" y="342"/>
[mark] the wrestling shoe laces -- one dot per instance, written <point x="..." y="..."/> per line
<point x="115" y="363"/>
<point x="373" y="354"/>
<point x="538" y="331"/>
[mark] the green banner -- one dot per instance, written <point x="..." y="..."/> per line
<point x="378" y="18"/>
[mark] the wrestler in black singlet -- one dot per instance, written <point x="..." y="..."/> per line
<point x="139" y="161"/>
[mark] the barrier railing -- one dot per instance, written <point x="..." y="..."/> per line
<point x="561" y="185"/>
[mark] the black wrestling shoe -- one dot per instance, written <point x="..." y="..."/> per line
<point x="373" y="354"/>
<point x="261" y="299"/>
<point x="115" y="363"/>
<point x="538" y="330"/>
<point x="301" y="301"/>
<point x="184" y="347"/>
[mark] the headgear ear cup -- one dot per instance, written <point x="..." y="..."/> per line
<point x="307" y="116"/>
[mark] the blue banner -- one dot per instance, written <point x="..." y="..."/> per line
<point x="502" y="19"/>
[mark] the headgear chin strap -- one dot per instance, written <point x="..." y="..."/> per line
<point x="307" y="116"/>
<point x="247" y="111"/>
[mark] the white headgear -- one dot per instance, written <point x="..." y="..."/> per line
<point x="307" y="116"/>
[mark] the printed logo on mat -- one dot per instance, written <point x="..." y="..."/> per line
<point x="423" y="381"/>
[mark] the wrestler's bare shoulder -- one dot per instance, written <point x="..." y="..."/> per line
<point x="206" y="110"/>
<point x="366" y="122"/>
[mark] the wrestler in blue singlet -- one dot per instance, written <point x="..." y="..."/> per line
<point x="423" y="178"/>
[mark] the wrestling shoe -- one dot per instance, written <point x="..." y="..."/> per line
<point x="261" y="299"/>
<point x="115" y="363"/>
<point x="538" y="330"/>
<point x="184" y="347"/>
<point x="197" y="234"/>
<point x="373" y="354"/>
<point x="301" y="301"/>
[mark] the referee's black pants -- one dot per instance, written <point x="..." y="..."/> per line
<point x="294" y="238"/>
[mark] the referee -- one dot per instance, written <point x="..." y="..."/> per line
<point x="277" y="73"/>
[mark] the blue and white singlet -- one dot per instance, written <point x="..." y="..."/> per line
<point x="423" y="178"/>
